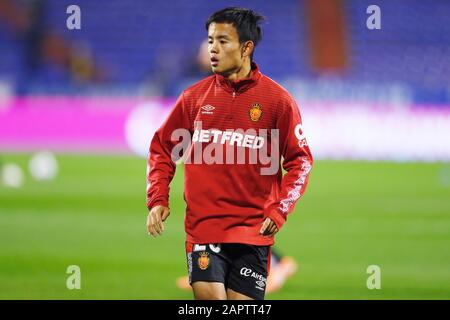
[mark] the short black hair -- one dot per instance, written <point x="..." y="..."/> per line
<point x="247" y="23"/>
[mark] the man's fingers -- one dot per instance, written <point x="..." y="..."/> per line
<point x="264" y="225"/>
<point x="149" y="223"/>
<point x="151" y="231"/>
<point x="273" y="228"/>
<point x="156" y="224"/>
<point x="165" y="214"/>
<point x="160" y="225"/>
<point x="155" y="220"/>
<point x="269" y="229"/>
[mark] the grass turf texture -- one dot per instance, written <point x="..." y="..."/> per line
<point x="354" y="214"/>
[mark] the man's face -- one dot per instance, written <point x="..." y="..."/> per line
<point x="224" y="48"/>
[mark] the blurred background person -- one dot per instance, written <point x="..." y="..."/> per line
<point x="43" y="49"/>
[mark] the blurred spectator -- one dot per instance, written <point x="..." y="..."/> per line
<point x="172" y="75"/>
<point x="42" y="46"/>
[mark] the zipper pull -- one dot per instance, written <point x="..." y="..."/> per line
<point x="234" y="94"/>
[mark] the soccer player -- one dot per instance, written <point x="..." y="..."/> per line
<point x="241" y="123"/>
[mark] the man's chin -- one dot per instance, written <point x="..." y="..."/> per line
<point x="219" y="71"/>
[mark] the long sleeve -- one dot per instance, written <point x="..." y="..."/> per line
<point x="298" y="163"/>
<point x="160" y="162"/>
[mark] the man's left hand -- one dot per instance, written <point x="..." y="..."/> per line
<point x="268" y="228"/>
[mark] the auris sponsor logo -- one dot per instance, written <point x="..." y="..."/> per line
<point x="247" y="272"/>
<point x="260" y="279"/>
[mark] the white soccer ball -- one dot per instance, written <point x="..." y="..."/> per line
<point x="11" y="175"/>
<point x="43" y="166"/>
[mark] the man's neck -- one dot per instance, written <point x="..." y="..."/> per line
<point x="243" y="72"/>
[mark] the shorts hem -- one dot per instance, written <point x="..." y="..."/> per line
<point x="253" y="242"/>
<point x="248" y="294"/>
<point x="207" y="280"/>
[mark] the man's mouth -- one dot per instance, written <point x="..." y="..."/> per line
<point x="214" y="62"/>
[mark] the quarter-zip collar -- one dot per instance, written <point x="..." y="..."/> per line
<point x="240" y="85"/>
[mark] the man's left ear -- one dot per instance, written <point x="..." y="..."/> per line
<point x="247" y="48"/>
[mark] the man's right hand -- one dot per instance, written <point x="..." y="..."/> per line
<point x="155" y="220"/>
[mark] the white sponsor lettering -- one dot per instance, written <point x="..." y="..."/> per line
<point x="295" y="193"/>
<point x="247" y="272"/>
<point x="215" y="248"/>
<point x="198" y="247"/>
<point x="298" y="131"/>
<point x="233" y="146"/>
<point x="228" y="137"/>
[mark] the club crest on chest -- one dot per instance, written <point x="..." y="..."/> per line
<point x="255" y="112"/>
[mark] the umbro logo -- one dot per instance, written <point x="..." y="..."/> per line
<point x="208" y="109"/>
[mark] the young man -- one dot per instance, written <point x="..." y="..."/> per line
<point x="241" y="123"/>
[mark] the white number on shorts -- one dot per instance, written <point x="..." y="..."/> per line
<point x="214" y="248"/>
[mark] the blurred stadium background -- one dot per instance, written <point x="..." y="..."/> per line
<point x="79" y="107"/>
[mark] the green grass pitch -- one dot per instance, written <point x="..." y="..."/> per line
<point x="354" y="214"/>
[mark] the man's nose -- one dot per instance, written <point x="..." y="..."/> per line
<point x="213" y="48"/>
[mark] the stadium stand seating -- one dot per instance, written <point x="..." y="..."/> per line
<point x="140" y="40"/>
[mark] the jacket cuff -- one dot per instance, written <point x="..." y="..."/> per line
<point x="164" y="203"/>
<point x="276" y="216"/>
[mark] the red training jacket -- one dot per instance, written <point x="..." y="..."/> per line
<point x="230" y="123"/>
